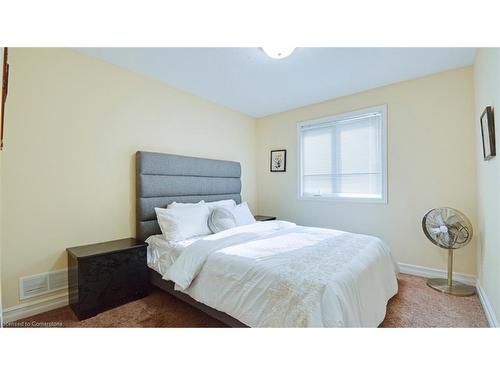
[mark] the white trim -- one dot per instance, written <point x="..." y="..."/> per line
<point x="411" y="269"/>
<point x="352" y="199"/>
<point x="382" y="109"/>
<point x="27" y="309"/>
<point x="488" y="309"/>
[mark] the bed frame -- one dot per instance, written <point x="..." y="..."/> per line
<point x="164" y="178"/>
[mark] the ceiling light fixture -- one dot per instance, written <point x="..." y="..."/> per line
<point x="278" y="53"/>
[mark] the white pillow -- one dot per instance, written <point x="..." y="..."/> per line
<point x="180" y="224"/>
<point x="242" y="214"/>
<point x="226" y="203"/>
<point x="182" y="205"/>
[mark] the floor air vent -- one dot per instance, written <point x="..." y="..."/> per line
<point x="31" y="286"/>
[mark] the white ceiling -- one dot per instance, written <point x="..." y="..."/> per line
<point x="248" y="81"/>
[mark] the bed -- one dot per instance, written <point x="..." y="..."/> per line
<point x="266" y="274"/>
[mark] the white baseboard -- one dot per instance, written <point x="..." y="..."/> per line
<point x="488" y="309"/>
<point x="27" y="309"/>
<point x="411" y="269"/>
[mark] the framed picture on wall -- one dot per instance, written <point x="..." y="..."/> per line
<point x="278" y="161"/>
<point x="488" y="133"/>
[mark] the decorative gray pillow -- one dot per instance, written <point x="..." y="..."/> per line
<point x="221" y="219"/>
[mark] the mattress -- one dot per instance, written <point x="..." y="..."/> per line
<point x="278" y="274"/>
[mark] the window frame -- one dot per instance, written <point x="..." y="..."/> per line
<point x="382" y="109"/>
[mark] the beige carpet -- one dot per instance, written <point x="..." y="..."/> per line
<point x="416" y="305"/>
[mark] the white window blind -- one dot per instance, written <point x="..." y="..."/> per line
<point x="343" y="157"/>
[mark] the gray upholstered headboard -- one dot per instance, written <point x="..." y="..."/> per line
<point x="163" y="178"/>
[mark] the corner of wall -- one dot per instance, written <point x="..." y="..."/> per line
<point x="486" y="80"/>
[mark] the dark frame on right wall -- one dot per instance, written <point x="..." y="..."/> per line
<point x="488" y="133"/>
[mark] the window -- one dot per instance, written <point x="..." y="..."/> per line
<point x="344" y="157"/>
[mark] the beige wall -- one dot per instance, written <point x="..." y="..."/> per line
<point x="487" y="92"/>
<point x="1" y="239"/>
<point x="74" y="124"/>
<point x="431" y="163"/>
<point x="1" y="304"/>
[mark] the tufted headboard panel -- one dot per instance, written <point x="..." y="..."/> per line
<point x="164" y="178"/>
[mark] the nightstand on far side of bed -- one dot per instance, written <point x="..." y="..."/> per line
<point x="105" y="275"/>
<point x="264" y="218"/>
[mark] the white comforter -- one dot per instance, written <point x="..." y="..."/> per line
<point x="278" y="274"/>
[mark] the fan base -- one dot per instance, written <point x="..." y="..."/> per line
<point x="456" y="289"/>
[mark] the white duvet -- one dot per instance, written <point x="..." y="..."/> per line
<point x="278" y="274"/>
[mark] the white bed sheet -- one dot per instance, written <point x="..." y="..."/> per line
<point x="277" y="274"/>
<point x="162" y="254"/>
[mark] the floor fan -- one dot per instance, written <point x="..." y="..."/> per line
<point x="449" y="229"/>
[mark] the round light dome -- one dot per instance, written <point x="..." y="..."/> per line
<point x="278" y="53"/>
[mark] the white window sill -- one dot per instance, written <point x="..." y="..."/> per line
<point x="344" y="198"/>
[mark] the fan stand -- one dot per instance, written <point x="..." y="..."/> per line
<point x="449" y="286"/>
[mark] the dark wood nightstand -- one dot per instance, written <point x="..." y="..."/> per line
<point x="264" y="218"/>
<point x="105" y="275"/>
